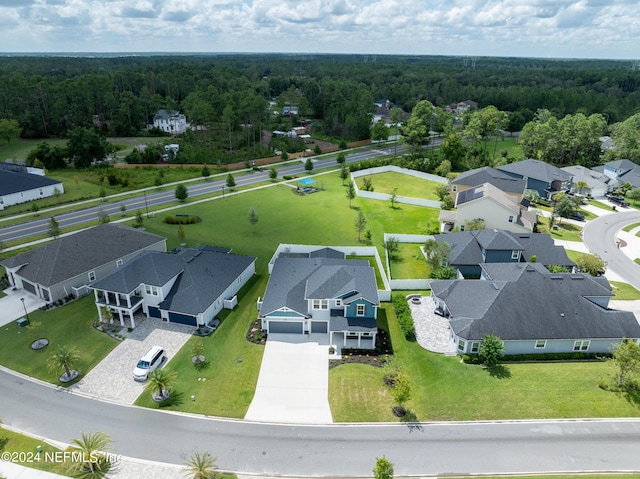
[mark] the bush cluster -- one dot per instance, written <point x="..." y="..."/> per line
<point x="403" y="313"/>
<point x="474" y="359"/>
<point x="181" y="220"/>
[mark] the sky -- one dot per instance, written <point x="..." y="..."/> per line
<point x="522" y="28"/>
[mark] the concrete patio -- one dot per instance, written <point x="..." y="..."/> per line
<point x="432" y="331"/>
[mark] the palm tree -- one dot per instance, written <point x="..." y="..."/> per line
<point x="201" y="466"/>
<point x="64" y="358"/>
<point x="160" y="382"/>
<point x="581" y="186"/>
<point x="90" y="459"/>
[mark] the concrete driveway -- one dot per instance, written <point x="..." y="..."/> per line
<point x="293" y="385"/>
<point x="112" y="378"/>
<point x="12" y="308"/>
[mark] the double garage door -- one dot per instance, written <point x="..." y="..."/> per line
<point x="187" y="319"/>
<point x="292" y="327"/>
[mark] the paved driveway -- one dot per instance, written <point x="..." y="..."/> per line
<point x="111" y="379"/>
<point x="12" y="308"/>
<point x="293" y="385"/>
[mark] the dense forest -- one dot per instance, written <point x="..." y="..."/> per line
<point x="229" y="94"/>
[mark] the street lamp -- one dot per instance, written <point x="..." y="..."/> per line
<point x="25" y="312"/>
<point x="223" y="192"/>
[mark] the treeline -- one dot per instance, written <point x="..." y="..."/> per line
<point x="229" y="94"/>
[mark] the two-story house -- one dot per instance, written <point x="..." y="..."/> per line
<point x="188" y="287"/>
<point x="514" y="187"/>
<point x="542" y="177"/>
<point x="322" y="292"/>
<point x="620" y="172"/>
<point x="170" y="121"/>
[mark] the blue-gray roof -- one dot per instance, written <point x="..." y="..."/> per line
<point x="201" y="275"/>
<point x="294" y="281"/>
<point x="533" y="305"/>
<point x="15" y="182"/>
<point x="487" y="174"/>
<point x="536" y="169"/>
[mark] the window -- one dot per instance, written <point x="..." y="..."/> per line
<point x="338" y="302"/>
<point x="320" y="304"/>
<point x="461" y="344"/>
<point x="118" y="263"/>
<point x="92" y="275"/>
<point x="360" y="309"/>
<point x="41" y="192"/>
<point x="475" y="347"/>
<point x="581" y="345"/>
<point x="454" y="188"/>
<point x="511" y="219"/>
<point x="541" y="344"/>
<point x="151" y="290"/>
<point x="461" y="227"/>
<point x="515" y="254"/>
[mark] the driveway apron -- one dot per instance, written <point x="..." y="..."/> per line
<point x="293" y="385"/>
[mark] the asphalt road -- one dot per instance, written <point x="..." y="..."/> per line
<point x="599" y="235"/>
<point x="155" y="198"/>
<point x="335" y="450"/>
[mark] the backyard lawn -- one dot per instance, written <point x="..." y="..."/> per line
<point x="564" y="231"/>
<point x="70" y="326"/>
<point x="409" y="263"/>
<point x="406" y="185"/>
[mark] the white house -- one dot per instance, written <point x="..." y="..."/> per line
<point x="170" y="121"/>
<point x="19" y="185"/>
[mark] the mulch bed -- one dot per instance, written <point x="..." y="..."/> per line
<point x="255" y="334"/>
<point x="377" y="357"/>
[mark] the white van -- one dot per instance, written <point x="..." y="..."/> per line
<point x="150" y="361"/>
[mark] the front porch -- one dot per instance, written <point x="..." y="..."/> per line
<point x="112" y="306"/>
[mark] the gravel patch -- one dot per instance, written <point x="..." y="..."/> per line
<point x="432" y="331"/>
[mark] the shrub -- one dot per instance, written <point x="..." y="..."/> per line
<point x="403" y="313"/>
<point x="181" y="220"/>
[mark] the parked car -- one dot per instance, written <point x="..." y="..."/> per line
<point x="576" y="215"/>
<point x="148" y="363"/>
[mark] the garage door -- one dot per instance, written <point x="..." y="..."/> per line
<point x="183" y="319"/>
<point x="154" y="312"/>
<point x="28" y="286"/>
<point x="319" y="327"/>
<point x="285" y="327"/>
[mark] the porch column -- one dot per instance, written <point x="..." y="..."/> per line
<point x="344" y="339"/>
<point x="99" y="312"/>
<point x="133" y="322"/>
<point x="117" y="298"/>
<point x="121" y="317"/>
<point x="95" y="294"/>
<point x="129" y="301"/>
<point x="359" y="336"/>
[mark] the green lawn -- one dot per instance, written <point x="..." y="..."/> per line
<point x="445" y="389"/>
<point x="13" y="442"/>
<point x="624" y="291"/>
<point x="602" y="205"/>
<point x="407" y="185"/>
<point x="565" y="231"/>
<point x="70" y="325"/>
<point x="232" y="366"/>
<point x="410" y="263"/>
<point x="507" y="144"/>
<point x="574" y="255"/>
<point x="630" y="227"/>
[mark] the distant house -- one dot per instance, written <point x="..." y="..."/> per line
<point x="597" y="183"/>
<point x="542" y="177"/>
<point x="322" y="292"/>
<point x="290" y="110"/>
<point x="470" y="179"/>
<point x="67" y="265"/>
<point x="621" y="172"/>
<point x="170" y="121"/>
<point x="19" y="184"/>
<point x="470" y="249"/>
<point x="533" y="311"/>
<point x="188" y="287"/>
<point x="460" y="107"/>
<point x="497" y="208"/>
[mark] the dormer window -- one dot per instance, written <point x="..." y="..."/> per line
<point x="360" y="310"/>
<point x="515" y="254"/>
<point x="338" y="302"/>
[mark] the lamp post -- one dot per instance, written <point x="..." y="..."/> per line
<point x="223" y="192"/>
<point x="25" y="312"/>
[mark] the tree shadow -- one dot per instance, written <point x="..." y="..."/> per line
<point x="411" y="421"/>
<point x="176" y="399"/>
<point x="633" y="397"/>
<point x="499" y="372"/>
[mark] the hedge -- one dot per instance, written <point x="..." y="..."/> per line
<point x="181" y="220"/>
<point x="403" y="313"/>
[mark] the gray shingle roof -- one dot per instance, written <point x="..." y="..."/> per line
<point x="79" y="253"/>
<point x="622" y="164"/>
<point x="536" y="305"/>
<point x="497" y="240"/>
<point x="487" y="174"/>
<point x="536" y="169"/>
<point x="295" y="280"/>
<point x="202" y="276"/>
<point x="15" y="182"/>
<point x="589" y="176"/>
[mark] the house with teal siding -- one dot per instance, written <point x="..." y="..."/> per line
<point x="324" y="293"/>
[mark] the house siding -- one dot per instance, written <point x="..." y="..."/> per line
<point x="559" y="346"/>
<point x="29" y="195"/>
<point x="369" y="311"/>
<point x="494" y="215"/>
<point x="500" y="256"/>
<point x="218" y="304"/>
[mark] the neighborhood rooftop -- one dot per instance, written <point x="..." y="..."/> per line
<point x="537" y="169"/>
<point x="490" y="175"/>
<point x="17" y="181"/>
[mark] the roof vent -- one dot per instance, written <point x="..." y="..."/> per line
<point x="562" y="315"/>
<point x="556" y="276"/>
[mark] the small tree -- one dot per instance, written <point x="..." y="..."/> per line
<point x="392" y="245"/>
<point x="351" y="192"/>
<point x="383" y="468"/>
<point x="592" y="264"/>
<point x="139" y="219"/>
<point x="54" y="228"/>
<point x="474" y="224"/>
<point x="447" y="203"/>
<point x="103" y="194"/>
<point x="626" y="356"/>
<point x="273" y="173"/>
<point x="344" y="172"/>
<point x="532" y="195"/>
<point x="64" y="358"/>
<point x="205" y="172"/>
<point x="341" y="158"/>
<point x="343" y="145"/>
<point x="491" y="350"/>
<point x="634" y="195"/>
<point x="123" y="209"/>
<point x="317" y="150"/>
<point x="368" y="236"/>
<point x="401" y="392"/>
<point x="442" y="191"/>
<point x="181" y="234"/>
<point x="444" y="168"/>
<point x="35" y="208"/>
<point x="91" y="460"/>
<point x="253" y="217"/>
<point x="231" y="182"/>
<point x="393" y="198"/>
<point x="103" y="216"/>
<point x="564" y="208"/>
<point x="57" y="193"/>
<point x="284" y="156"/>
<point x="581" y="186"/>
<point x="201" y="466"/>
<point x="308" y="165"/>
<point x="160" y="383"/>
<point x="437" y="253"/>
<point x="360" y="224"/>
<point x="181" y="193"/>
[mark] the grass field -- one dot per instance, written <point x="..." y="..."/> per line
<point x="624" y="291"/>
<point x="12" y="442"/>
<point x="410" y="263"/>
<point x="70" y="325"/>
<point x="406" y="185"/>
<point x="565" y="231"/>
<point x="630" y="227"/>
<point x="600" y="204"/>
<point x="507" y="144"/>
